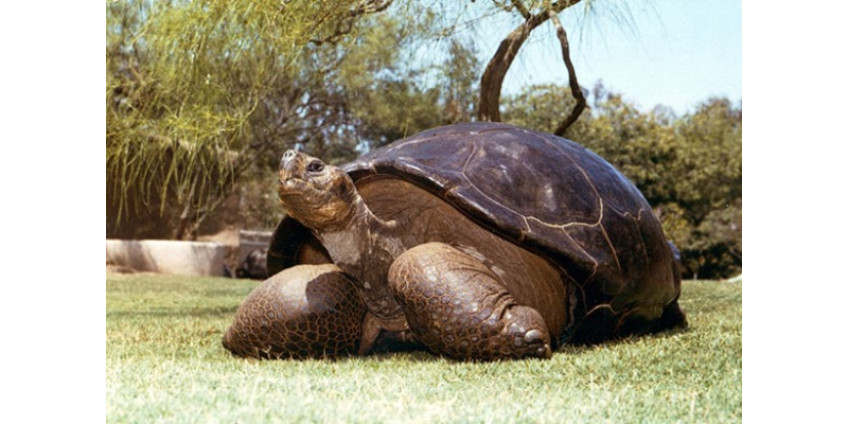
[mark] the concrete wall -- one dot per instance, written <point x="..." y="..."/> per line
<point x="250" y="240"/>
<point x="168" y="256"/>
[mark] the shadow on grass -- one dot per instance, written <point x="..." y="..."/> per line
<point x="420" y="354"/>
<point x="578" y="349"/>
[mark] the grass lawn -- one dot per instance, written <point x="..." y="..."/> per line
<point x="165" y="363"/>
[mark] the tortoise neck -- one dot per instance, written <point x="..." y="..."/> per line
<point x="364" y="248"/>
<point x="349" y="242"/>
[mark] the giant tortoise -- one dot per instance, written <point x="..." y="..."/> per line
<point x="475" y="241"/>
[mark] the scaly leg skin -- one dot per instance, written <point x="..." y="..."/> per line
<point x="304" y="311"/>
<point x="458" y="308"/>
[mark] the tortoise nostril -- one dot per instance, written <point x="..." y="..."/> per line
<point x="288" y="156"/>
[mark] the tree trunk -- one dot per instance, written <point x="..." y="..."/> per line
<point x="185" y="216"/>
<point x="492" y="80"/>
<point x="493" y="76"/>
<point x="572" y="79"/>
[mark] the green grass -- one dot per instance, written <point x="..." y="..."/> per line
<point x="165" y="363"/>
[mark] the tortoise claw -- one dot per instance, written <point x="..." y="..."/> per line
<point x="533" y="336"/>
<point x="532" y="343"/>
<point x="536" y="337"/>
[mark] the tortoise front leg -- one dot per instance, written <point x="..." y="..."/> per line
<point x="302" y="311"/>
<point x="457" y="307"/>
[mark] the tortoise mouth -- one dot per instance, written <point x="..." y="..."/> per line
<point x="292" y="185"/>
<point x="287" y="177"/>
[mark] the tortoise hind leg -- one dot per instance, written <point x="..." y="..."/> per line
<point x="603" y="323"/>
<point x="672" y="317"/>
<point x="457" y="307"/>
<point x="303" y="311"/>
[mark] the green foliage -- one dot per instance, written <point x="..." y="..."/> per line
<point x="689" y="168"/>
<point x="387" y="100"/>
<point x="403" y="101"/>
<point x="539" y="107"/>
<point x="165" y="363"/>
<point x="459" y="75"/>
<point x="197" y="92"/>
<point x="171" y="79"/>
<point x="203" y="96"/>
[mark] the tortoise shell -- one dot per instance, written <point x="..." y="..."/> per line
<point x="542" y="192"/>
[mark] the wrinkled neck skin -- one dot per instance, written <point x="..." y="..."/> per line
<point x="364" y="246"/>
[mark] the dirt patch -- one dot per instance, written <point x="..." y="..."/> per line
<point x="119" y="269"/>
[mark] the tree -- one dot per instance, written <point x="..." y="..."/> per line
<point x="405" y="102"/>
<point x="534" y="14"/>
<point x="198" y="92"/>
<point x="538" y="107"/>
<point x="709" y="187"/>
<point x="459" y="72"/>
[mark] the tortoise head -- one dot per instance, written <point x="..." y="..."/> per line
<point x="318" y="195"/>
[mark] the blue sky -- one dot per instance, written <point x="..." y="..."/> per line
<point x="672" y="52"/>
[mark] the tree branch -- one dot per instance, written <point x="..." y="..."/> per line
<point x="572" y="78"/>
<point x="345" y="26"/>
<point x="492" y="79"/>
<point x="522" y="9"/>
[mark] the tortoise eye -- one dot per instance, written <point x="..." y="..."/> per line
<point x="315" y="166"/>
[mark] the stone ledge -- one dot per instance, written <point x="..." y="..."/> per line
<point x="167" y="256"/>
